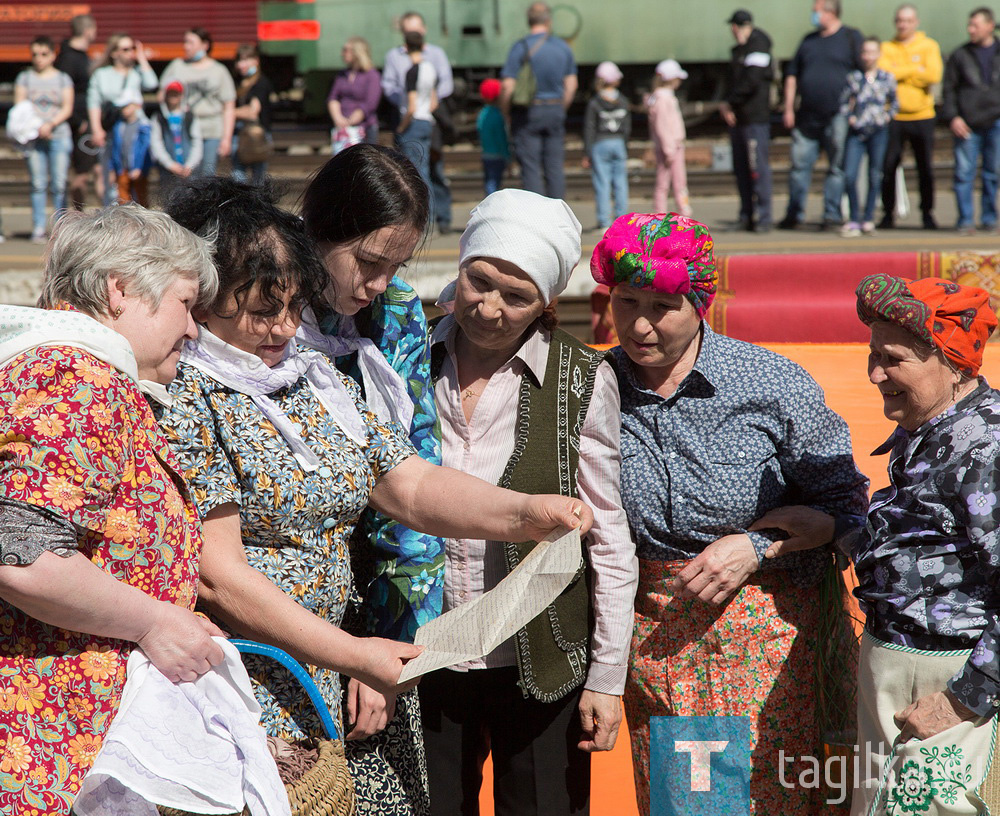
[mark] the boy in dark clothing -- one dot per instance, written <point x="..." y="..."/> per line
<point x="74" y="61"/>
<point x="747" y="112"/>
<point x="607" y="125"/>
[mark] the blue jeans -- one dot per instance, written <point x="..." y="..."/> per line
<point x="255" y="173"/>
<point x="539" y="134"/>
<point x="872" y="145"/>
<point x="210" y="159"/>
<point x="493" y="170"/>
<point x="440" y="193"/>
<point x="48" y="167"/>
<point x="415" y="144"/>
<point x="610" y="177"/>
<point x="985" y="141"/>
<point x="805" y="151"/>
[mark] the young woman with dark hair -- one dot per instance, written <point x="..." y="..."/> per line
<point x="367" y="210"/>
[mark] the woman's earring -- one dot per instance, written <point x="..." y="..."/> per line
<point x="117" y="314"/>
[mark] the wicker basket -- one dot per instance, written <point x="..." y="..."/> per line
<point x="326" y="789"/>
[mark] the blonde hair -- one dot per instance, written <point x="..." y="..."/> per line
<point x="362" y="52"/>
<point x="112" y="46"/>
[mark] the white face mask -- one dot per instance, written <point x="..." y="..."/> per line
<point x="609" y="93"/>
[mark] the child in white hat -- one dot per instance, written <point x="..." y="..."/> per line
<point x="666" y="128"/>
<point x="607" y="124"/>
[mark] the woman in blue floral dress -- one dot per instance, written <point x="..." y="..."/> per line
<point x="282" y="456"/>
<point x="367" y="211"/>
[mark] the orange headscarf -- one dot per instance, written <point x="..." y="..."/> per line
<point x="956" y="319"/>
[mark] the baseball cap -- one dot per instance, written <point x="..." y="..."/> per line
<point x="671" y="69"/>
<point x="740" y="17"/>
<point x="174" y="87"/>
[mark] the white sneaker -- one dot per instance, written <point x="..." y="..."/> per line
<point x="868" y="228"/>
<point x="38" y="237"/>
<point x="850" y="230"/>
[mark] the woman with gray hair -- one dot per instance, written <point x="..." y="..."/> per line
<point x="99" y="540"/>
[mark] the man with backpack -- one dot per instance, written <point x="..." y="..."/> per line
<point x="538" y="84"/>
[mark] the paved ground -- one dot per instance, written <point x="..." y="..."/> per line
<point x="20" y="261"/>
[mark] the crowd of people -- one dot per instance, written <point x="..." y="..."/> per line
<point x="231" y="419"/>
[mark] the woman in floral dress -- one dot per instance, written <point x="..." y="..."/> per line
<point x="367" y="210"/>
<point x="282" y="455"/>
<point x="99" y="539"/>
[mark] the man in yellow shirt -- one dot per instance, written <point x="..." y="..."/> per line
<point x="915" y="60"/>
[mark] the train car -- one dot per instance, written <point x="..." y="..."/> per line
<point x="636" y="34"/>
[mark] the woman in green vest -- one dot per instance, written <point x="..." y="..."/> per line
<point x="526" y="406"/>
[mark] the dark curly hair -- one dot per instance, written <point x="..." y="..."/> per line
<point x="257" y="244"/>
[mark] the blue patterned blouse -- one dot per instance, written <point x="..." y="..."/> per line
<point x="871" y="100"/>
<point x="928" y="562"/>
<point x="406" y="572"/>
<point x="745" y="432"/>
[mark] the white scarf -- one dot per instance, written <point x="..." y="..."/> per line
<point x="24" y="327"/>
<point x="248" y="374"/>
<point x="385" y="390"/>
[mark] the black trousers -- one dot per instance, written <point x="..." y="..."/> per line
<point x="537" y="768"/>
<point x="920" y="135"/>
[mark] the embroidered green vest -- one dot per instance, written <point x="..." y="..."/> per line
<point x="553" y="649"/>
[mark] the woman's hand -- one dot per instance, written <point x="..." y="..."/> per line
<point x="45" y="131"/>
<point x="719" y="570"/>
<point x="930" y="715"/>
<point x="543" y="513"/>
<point x="807" y="528"/>
<point x="179" y="643"/>
<point x="368" y="710"/>
<point x="382" y="662"/>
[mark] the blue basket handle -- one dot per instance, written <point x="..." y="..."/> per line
<point x="307" y="683"/>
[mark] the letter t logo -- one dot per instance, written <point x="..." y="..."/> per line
<point x="701" y="760"/>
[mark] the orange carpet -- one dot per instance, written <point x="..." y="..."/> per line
<point x="841" y="371"/>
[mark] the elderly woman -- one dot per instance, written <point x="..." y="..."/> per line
<point x="928" y="561"/>
<point x="283" y="455"/>
<point x="100" y="540"/>
<point x="716" y="432"/>
<point x="526" y="406"/>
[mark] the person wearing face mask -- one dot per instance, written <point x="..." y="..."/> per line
<point x="253" y="115"/>
<point x="525" y="405"/>
<point x="817" y="76"/>
<point x="209" y="94"/>
<point x="124" y="69"/>
<point x="282" y="455"/>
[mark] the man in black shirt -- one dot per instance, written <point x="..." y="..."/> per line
<point x="747" y="112"/>
<point x="817" y="74"/>
<point x="972" y="109"/>
<point x="74" y="60"/>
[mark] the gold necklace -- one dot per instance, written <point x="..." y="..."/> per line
<point x="468" y="393"/>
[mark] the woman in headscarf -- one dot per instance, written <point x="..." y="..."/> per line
<point x="99" y="539"/>
<point x="928" y="560"/>
<point x="525" y="405"/>
<point x="716" y="432"/>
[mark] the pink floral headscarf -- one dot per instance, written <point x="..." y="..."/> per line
<point x="666" y="252"/>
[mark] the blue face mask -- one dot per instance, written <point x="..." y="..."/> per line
<point x="815" y="19"/>
<point x="198" y="55"/>
<point x="251" y="70"/>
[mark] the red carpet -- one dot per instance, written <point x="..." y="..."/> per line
<point x="810" y="298"/>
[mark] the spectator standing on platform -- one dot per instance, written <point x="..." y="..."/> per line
<point x="50" y="93"/>
<point x="175" y="140"/>
<point x="74" y="61"/>
<point x="538" y="120"/>
<point x="397" y="63"/>
<point x="972" y="109"/>
<point x="130" y="156"/>
<point x="492" y="131"/>
<point x="746" y="111"/>
<point x="817" y="75"/>
<point x="210" y="95"/>
<point x="354" y="97"/>
<point x="413" y="133"/>
<point x="117" y="74"/>
<point x="869" y="104"/>
<point x="253" y="112"/>
<point x="666" y="128"/>
<point x="915" y="60"/>
<point x="607" y="125"/>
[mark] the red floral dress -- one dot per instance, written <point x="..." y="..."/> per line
<point x="77" y="437"/>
